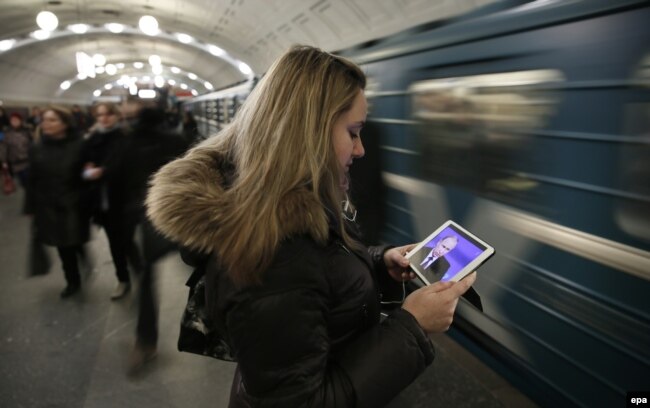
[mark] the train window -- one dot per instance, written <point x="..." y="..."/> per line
<point x="472" y="130"/>
<point x="633" y="212"/>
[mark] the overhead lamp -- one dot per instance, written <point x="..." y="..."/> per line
<point x="171" y="82"/>
<point x="111" y="69"/>
<point x="85" y="64"/>
<point x="176" y="70"/>
<point x="159" y="81"/>
<point x="133" y="89"/>
<point x="120" y="65"/>
<point x="78" y="28"/>
<point x="114" y="28"/>
<point x="157" y="69"/>
<point x="147" y="93"/>
<point x="65" y="85"/>
<point x="100" y="70"/>
<point x="47" y="21"/>
<point x="216" y="51"/>
<point x="148" y="25"/>
<point x="5" y="45"/>
<point x="183" y="86"/>
<point x="244" y="68"/>
<point x="192" y="76"/>
<point x="81" y="76"/>
<point x="146" y="78"/>
<point x="138" y="65"/>
<point x="194" y="92"/>
<point x="208" y="86"/>
<point x="184" y="38"/>
<point x="154" y="60"/>
<point x="41" y="34"/>
<point x="108" y="87"/>
<point x="97" y="92"/>
<point x="99" y="60"/>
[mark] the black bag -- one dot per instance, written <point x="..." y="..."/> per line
<point x="39" y="262"/>
<point x="198" y="335"/>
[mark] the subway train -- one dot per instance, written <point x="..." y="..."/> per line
<point x="529" y="124"/>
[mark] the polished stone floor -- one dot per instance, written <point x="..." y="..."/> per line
<point x="73" y="353"/>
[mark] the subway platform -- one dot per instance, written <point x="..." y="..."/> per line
<point x="73" y="353"/>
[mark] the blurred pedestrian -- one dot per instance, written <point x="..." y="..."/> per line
<point x="104" y="195"/>
<point x="14" y="148"/>
<point x="54" y="193"/>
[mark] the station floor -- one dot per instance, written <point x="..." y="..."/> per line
<point x="73" y="353"/>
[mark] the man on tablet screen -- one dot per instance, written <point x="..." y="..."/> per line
<point x="435" y="262"/>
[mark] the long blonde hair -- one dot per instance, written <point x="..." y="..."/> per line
<point x="280" y="142"/>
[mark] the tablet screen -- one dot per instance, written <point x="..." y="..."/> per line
<point x="448" y="254"/>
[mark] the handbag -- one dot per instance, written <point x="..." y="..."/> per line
<point x="8" y="185"/>
<point x="198" y="335"/>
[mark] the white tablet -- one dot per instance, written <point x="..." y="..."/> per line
<point x="449" y="254"/>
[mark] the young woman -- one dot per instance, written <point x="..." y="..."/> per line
<point x="54" y="193"/>
<point x="100" y="156"/>
<point x="295" y="293"/>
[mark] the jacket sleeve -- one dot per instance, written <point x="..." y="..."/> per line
<point x="280" y="339"/>
<point x="390" y="289"/>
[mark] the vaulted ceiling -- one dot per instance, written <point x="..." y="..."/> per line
<point x="225" y="33"/>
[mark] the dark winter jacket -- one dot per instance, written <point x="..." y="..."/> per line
<point x="14" y="149"/>
<point x="54" y="192"/>
<point x="310" y="335"/>
<point x="102" y="148"/>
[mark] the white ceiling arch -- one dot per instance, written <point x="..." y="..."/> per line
<point x="252" y="31"/>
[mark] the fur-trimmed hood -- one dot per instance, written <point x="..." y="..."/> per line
<point x="186" y="202"/>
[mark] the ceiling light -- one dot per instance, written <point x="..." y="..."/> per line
<point x="216" y="51"/>
<point x="41" y="34"/>
<point x="108" y="86"/>
<point x="146" y="78"/>
<point x="85" y="64"/>
<point x="184" y="38"/>
<point x="157" y="69"/>
<point x="192" y="76"/>
<point x="99" y="60"/>
<point x="208" y="86"/>
<point x="120" y="65"/>
<point x="147" y="93"/>
<point x="194" y="92"/>
<point x="114" y="28"/>
<point x="100" y="70"/>
<point x="148" y="25"/>
<point x="183" y="86"/>
<point x="176" y="70"/>
<point x="138" y="65"/>
<point x="97" y="92"/>
<point x="81" y="76"/>
<point x="133" y="89"/>
<point x="171" y="82"/>
<point x="5" y="45"/>
<point x="78" y="28"/>
<point x="111" y="69"/>
<point x="244" y="68"/>
<point x="159" y="81"/>
<point x="47" y="21"/>
<point x="65" y="85"/>
<point x="154" y="60"/>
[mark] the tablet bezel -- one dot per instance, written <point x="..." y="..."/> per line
<point x="470" y="267"/>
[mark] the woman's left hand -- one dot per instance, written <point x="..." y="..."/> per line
<point x="397" y="264"/>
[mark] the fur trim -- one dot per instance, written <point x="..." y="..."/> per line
<point x="187" y="202"/>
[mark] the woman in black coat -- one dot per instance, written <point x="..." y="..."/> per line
<point x="54" y="192"/>
<point x="105" y="194"/>
<point x="288" y="284"/>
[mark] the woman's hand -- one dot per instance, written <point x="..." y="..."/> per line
<point x="433" y="306"/>
<point x="397" y="264"/>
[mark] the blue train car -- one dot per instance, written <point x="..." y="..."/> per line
<point x="529" y="125"/>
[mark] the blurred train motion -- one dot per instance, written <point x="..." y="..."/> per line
<point x="530" y="125"/>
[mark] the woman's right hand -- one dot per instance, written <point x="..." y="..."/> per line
<point x="433" y="306"/>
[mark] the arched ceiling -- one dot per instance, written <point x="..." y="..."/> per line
<point x="251" y="31"/>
